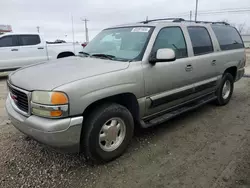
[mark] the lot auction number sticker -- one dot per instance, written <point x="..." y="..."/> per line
<point x="141" y="29"/>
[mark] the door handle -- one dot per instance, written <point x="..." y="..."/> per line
<point x="14" y="50"/>
<point x="213" y="62"/>
<point x="40" y="48"/>
<point x="189" y="68"/>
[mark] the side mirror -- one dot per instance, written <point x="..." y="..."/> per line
<point x="163" y="55"/>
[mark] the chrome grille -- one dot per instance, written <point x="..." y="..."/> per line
<point x="20" y="98"/>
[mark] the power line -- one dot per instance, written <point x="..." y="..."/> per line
<point x="222" y="12"/>
<point x="230" y="9"/>
<point x="210" y="12"/>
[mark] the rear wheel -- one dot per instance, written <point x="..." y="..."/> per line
<point x="225" y="90"/>
<point x="107" y="132"/>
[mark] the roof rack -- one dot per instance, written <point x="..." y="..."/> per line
<point x="163" y="19"/>
<point x="182" y="20"/>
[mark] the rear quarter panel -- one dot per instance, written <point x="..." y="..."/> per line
<point x="230" y="58"/>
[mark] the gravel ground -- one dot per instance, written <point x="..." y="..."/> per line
<point x="209" y="148"/>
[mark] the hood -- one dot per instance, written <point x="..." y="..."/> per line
<point x="49" y="75"/>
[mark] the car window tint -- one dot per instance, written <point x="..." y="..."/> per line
<point x="8" y="41"/>
<point x="201" y="40"/>
<point x="228" y="37"/>
<point x="28" y="40"/>
<point x="171" y="37"/>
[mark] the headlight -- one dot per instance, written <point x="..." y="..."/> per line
<point x="50" y="98"/>
<point x="49" y="104"/>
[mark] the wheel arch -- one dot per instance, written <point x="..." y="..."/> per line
<point x="127" y="100"/>
<point x="65" y="54"/>
<point x="232" y="70"/>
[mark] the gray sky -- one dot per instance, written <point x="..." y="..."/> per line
<point x="54" y="16"/>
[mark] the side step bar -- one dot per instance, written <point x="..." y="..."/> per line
<point x="169" y="115"/>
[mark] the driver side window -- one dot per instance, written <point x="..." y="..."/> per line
<point x="8" y="41"/>
<point x="171" y="37"/>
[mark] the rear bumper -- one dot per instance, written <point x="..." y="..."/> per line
<point x="62" y="134"/>
<point x="240" y="74"/>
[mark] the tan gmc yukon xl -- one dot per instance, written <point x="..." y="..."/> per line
<point x="140" y="74"/>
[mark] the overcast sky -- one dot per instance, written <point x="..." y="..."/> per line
<point x="54" y="16"/>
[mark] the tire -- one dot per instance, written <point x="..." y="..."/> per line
<point x="222" y="98"/>
<point x="98" y="151"/>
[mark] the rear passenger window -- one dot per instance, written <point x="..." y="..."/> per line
<point x="201" y="40"/>
<point x="28" y="40"/>
<point x="171" y="37"/>
<point x="8" y="41"/>
<point x="228" y="37"/>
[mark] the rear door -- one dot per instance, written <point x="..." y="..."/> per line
<point x="9" y="53"/>
<point x="204" y="60"/>
<point x="31" y="49"/>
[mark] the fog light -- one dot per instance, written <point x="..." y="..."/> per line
<point x="40" y="112"/>
<point x="46" y="113"/>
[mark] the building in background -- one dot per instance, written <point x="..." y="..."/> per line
<point x="246" y="40"/>
<point x="5" y="28"/>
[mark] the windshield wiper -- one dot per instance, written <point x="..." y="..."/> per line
<point x="107" y="56"/>
<point x="84" y="53"/>
<point x="175" y="47"/>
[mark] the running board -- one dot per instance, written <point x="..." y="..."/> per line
<point x="169" y="115"/>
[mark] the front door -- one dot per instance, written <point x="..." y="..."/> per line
<point x="168" y="84"/>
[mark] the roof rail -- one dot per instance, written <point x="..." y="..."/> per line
<point x="162" y="19"/>
<point x="182" y="20"/>
<point x="207" y="22"/>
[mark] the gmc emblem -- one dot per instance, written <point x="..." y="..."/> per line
<point x="14" y="97"/>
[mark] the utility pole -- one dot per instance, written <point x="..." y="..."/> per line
<point x="73" y="32"/>
<point x="86" y="29"/>
<point x="196" y="10"/>
<point x="38" y="29"/>
<point x="191" y="15"/>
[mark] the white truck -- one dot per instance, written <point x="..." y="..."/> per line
<point x="18" y="50"/>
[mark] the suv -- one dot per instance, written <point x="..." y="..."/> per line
<point x="129" y="76"/>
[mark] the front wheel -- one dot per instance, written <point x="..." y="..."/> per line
<point x="107" y="132"/>
<point x="225" y="90"/>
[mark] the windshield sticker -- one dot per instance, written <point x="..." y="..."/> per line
<point x="141" y="29"/>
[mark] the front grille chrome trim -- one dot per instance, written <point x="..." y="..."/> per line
<point x="14" y="104"/>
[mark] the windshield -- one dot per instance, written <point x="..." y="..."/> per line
<point x="119" y="43"/>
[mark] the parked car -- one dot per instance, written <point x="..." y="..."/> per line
<point x="136" y="75"/>
<point x="84" y="44"/>
<point x="18" y="50"/>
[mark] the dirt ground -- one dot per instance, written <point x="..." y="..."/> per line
<point x="208" y="148"/>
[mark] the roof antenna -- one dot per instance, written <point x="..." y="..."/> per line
<point x="147" y="19"/>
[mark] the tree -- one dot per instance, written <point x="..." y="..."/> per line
<point x="240" y="27"/>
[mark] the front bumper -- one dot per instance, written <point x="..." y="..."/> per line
<point x="63" y="134"/>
